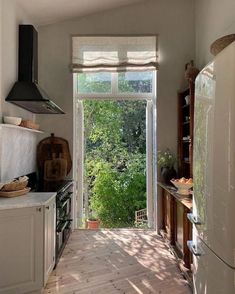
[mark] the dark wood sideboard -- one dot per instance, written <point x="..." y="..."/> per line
<point x="176" y="227"/>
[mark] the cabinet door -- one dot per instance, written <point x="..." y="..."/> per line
<point x="21" y="250"/>
<point x="49" y="238"/>
<point x="169" y="216"/>
<point x="179" y="226"/>
<point x="183" y="232"/>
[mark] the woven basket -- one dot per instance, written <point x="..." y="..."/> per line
<point x="29" y="124"/>
<point x="15" y="186"/>
<point x="221" y="43"/>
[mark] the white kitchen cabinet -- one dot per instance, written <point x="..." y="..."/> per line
<point x="49" y="238"/>
<point x="27" y="248"/>
<point x="21" y="250"/>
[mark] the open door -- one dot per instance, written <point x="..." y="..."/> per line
<point x="78" y="150"/>
<point x="81" y="203"/>
<point x="149" y="163"/>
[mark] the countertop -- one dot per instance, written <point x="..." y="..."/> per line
<point x="185" y="200"/>
<point x="30" y="200"/>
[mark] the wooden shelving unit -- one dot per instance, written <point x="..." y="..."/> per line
<point x="185" y="131"/>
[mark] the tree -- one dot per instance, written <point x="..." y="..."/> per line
<point x="115" y="145"/>
<point x="115" y="159"/>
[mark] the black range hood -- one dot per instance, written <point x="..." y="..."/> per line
<point x="26" y="92"/>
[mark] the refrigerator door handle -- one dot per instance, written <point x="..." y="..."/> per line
<point x="195" y="249"/>
<point x="194" y="219"/>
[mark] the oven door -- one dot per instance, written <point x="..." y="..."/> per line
<point x="64" y="208"/>
<point x="62" y="234"/>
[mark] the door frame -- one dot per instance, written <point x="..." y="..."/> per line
<point x="151" y="149"/>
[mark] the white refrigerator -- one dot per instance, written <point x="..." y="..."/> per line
<point x="213" y="215"/>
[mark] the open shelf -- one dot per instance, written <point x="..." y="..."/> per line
<point x="21" y="128"/>
<point x="185" y="105"/>
<point x="185" y="131"/>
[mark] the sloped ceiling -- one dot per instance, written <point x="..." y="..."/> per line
<point x="44" y="12"/>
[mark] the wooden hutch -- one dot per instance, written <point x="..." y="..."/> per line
<point x="176" y="227"/>
<point x="185" y="131"/>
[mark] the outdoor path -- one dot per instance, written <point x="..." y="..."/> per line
<point x="116" y="262"/>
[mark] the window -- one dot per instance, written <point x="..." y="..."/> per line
<point x="117" y="84"/>
<point x="98" y="82"/>
<point x="135" y="82"/>
<point x="115" y="68"/>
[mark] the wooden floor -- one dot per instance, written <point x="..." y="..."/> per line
<point x="116" y="261"/>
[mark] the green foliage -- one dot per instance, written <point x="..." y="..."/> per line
<point x="166" y="158"/>
<point x="92" y="218"/>
<point x="94" y="82"/>
<point x="135" y="85"/>
<point x="116" y="195"/>
<point x="115" y="160"/>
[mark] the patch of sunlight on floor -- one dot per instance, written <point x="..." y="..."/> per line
<point x="135" y="287"/>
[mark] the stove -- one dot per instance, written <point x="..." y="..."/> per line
<point x="64" y="199"/>
<point x="64" y="219"/>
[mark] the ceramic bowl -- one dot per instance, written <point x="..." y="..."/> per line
<point x="12" y="120"/>
<point x="182" y="188"/>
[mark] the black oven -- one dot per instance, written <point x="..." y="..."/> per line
<point x="63" y="217"/>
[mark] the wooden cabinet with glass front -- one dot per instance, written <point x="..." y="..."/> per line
<point x="185" y="130"/>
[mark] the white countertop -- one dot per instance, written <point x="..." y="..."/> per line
<point x="29" y="200"/>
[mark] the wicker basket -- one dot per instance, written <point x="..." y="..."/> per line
<point x="15" y="186"/>
<point x="29" y="124"/>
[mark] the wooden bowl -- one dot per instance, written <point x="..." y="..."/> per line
<point x="182" y="188"/>
<point x="218" y="45"/>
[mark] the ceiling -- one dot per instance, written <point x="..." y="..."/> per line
<point x="44" y="12"/>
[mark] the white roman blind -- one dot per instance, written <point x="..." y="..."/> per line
<point x="114" y="53"/>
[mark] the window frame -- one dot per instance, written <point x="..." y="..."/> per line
<point x="114" y="94"/>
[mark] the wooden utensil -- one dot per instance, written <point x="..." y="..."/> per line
<point x="53" y="145"/>
<point x="55" y="169"/>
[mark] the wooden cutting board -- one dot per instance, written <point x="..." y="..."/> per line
<point x="53" y="146"/>
<point x="55" y="169"/>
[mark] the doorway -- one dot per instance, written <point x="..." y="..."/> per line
<point x="112" y="91"/>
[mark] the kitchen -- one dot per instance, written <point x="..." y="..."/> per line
<point x="178" y="44"/>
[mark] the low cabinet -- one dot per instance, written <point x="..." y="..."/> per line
<point x="21" y="244"/>
<point x="176" y="227"/>
<point x="27" y="248"/>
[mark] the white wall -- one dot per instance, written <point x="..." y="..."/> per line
<point x="172" y="20"/>
<point x="1" y="14"/>
<point x="18" y="153"/>
<point x="214" y="19"/>
<point x="11" y="15"/>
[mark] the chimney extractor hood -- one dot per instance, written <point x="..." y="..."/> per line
<point x="26" y="92"/>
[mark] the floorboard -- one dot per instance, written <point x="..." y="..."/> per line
<point x="116" y="262"/>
